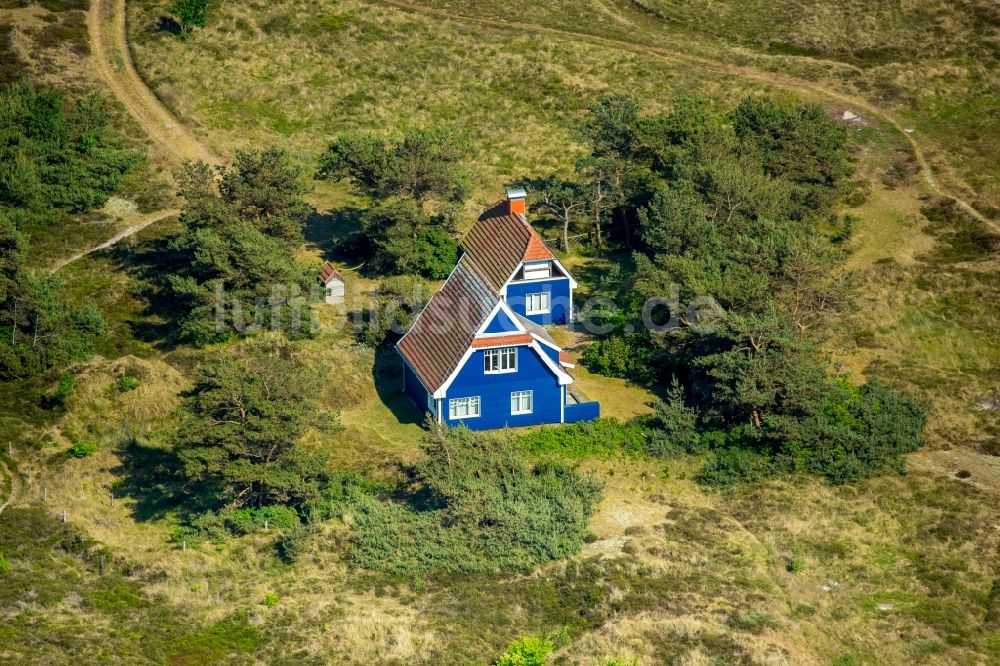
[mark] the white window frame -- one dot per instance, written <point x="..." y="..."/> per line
<point x="520" y="396"/>
<point x="537" y="270"/>
<point x="471" y="403"/>
<point x="544" y="303"/>
<point x="505" y="360"/>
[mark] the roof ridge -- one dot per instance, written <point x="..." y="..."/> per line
<point x="446" y="326"/>
<point x="536" y="248"/>
<point x="479" y="273"/>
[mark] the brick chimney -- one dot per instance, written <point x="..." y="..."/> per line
<point x="516" y="201"/>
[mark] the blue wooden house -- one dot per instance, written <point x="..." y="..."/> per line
<point x="477" y="354"/>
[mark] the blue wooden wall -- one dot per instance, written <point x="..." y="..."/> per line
<point x="552" y="353"/>
<point x="501" y="323"/>
<point x="559" y="297"/>
<point x="413" y="388"/>
<point x="494" y="392"/>
<point x="583" y="411"/>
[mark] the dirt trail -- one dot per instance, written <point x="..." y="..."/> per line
<point x="113" y="61"/>
<point x="783" y="81"/>
<point x="143" y="222"/>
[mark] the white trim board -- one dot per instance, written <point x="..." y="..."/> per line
<point x="563" y="377"/>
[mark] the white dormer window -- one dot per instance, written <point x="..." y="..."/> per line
<point x="500" y="360"/>
<point x="537" y="270"/>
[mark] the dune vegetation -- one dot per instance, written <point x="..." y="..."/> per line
<point x="813" y="481"/>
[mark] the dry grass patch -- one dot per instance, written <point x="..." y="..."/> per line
<point x="374" y="631"/>
<point x="891" y="227"/>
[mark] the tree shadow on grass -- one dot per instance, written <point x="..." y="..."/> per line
<point x="335" y="233"/>
<point x="149" y="476"/>
<point x="169" y="25"/>
<point x="149" y="263"/>
<point x="387" y="373"/>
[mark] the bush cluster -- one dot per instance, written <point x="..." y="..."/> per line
<point x="480" y="508"/>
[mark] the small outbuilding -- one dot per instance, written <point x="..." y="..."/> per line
<point x="333" y="283"/>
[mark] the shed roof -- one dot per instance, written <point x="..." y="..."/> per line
<point x="328" y="273"/>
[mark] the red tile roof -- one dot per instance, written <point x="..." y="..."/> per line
<point x="328" y="272"/>
<point x="500" y="241"/>
<point x="445" y="329"/>
<point x="565" y="359"/>
<point x="502" y="340"/>
<point x="537" y="249"/>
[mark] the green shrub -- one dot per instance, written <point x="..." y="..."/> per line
<point x="81" y="449"/>
<point x="271" y="599"/>
<point x="217" y="527"/>
<point x="294" y="543"/>
<point x="248" y="520"/>
<point x="436" y="252"/>
<point x="795" y="564"/>
<point x="675" y="424"/>
<point x="601" y="437"/>
<point x="846" y="433"/>
<point x="201" y="527"/>
<point x="404" y="240"/>
<point x="530" y="651"/>
<point x="4" y="564"/>
<point x="338" y="491"/>
<point x="625" y="356"/>
<point x="65" y="388"/>
<point x="734" y="466"/>
<point x="992" y="618"/>
<point x="190" y="13"/>
<point x="57" y="155"/>
<point x="869" y="429"/>
<point x="126" y="384"/>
